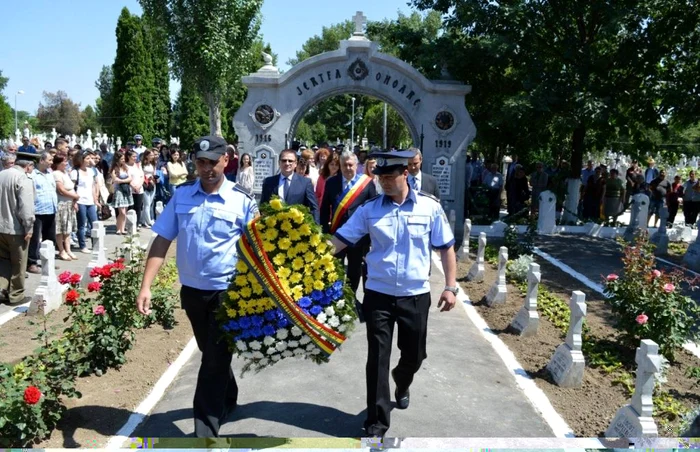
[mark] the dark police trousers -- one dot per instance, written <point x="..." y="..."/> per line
<point x="216" y="391"/>
<point x="381" y="312"/>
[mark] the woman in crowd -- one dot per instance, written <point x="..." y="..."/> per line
<point x="148" y="165"/>
<point x="673" y="198"/>
<point x="246" y="177"/>
<point x="592" y="194"/>
<point x="177" y="171"/>
<point x="518" y="190"/>
<point x="84" y="176"/>
<point x="119" y="174"/>
<point x="614" y="195"/>
<point x="101" y="184"/>
<point x="136" y="174"/>
<point x="307" y="156"/>
<point x="330" y="168"/>
<point x="65" y="214"/>
<point x="320" y="158"/>
<point x="370" y="164"/>
<point x="691" y="199"/>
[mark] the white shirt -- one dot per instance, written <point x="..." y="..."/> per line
<point x="85" y="185"/>
<point x="280" y="189"/>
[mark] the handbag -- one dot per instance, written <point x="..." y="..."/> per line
<point x="105" y="212"/>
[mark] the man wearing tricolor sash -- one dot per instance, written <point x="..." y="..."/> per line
<point x="344" y="193"/>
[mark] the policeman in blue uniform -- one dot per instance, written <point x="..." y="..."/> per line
<point x="207" y="217"/>
<point x="403" y="225"/>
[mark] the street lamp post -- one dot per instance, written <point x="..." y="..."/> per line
<point x="352" y="127"/>
<point x="20" y="92"/>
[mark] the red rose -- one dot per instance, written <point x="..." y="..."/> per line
<point x="72" y="296"/>
<point x="32" y="395"/>
<point x="75" y="278"/>
<point x="119" y="264"/>
<point x="94" y="286"/>
<point x="95" y="272"/>
<point x="64" y="278"/>
<point x="98" y="310"/>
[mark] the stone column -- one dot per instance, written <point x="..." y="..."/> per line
<point x="573" y="190"/>
<point x="476" y="273"/>
<point x="638" y="216"/>
<point x="547" y="220"/>
<point x="527" y="320"/>
<point x="635" y="419"/>
<point x="463" y="251"/>
<point x="660" y="237"/>
<point x="497" y="294"/>
<point x="568" y="363"/>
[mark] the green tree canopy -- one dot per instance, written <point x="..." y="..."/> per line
<point x="190" y="115"/>
<point x="60" y="112"/>
<point x="88" y="121"/>
<point x="105" y="104"/>
<point x="7" y="124"/>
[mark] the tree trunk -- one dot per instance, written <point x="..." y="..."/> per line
<point x="214" y="114"/>
<point x="577" y="151"/>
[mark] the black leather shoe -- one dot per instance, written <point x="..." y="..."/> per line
<point x="402" y="396"/>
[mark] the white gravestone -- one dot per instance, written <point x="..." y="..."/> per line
<point x="692" y="255"/>
<point x="680" y="233"/>
<point x="571" y="203"/>
<point x="568" y="363"/>
<point x="49" y="295"/>
<point x="263" y="167"/>
<point x="442" y="172"/>
<point x="131" y="222"/>
<point x="99" y="258"/>
<point x="497" y="294"/>
<point x="639" y="216"/>
<point x="635" y="419"/>
<point x="498" y="229"/>
<point x="476" y="273"/>
<point x="547" y="219"/>
<point x="527" y="320"/>
<point x="660" y="237"/>
<point x="463" y="251"/>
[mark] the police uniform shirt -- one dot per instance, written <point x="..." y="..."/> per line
<point x="207" y="228"/>
<point x="398" y="263"/>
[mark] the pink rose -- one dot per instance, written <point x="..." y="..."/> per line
<point x="642" y="319"/>
<point x="668" y="288"/>
<point x="612" y="277"/>
<point x="99" y="310"/>
<point x="656" y="273"/>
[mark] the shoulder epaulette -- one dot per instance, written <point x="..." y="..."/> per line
<point x="236" y="187"/>
<point x="428" y="195"/>
<point x="371" y="199"/>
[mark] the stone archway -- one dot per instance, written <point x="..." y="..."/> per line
<point x="434" y="111"/>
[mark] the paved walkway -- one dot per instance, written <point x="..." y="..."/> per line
<point x="462" y="390"/>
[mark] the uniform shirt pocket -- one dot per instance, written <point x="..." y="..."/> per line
<point x="418" y="227"/>
<point x="223" y="223"/>
<point x="383" y="231"/>
<point x="185" y="216"/>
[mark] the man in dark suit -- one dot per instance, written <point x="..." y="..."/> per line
<point x="289" y="186"/>
<point x="344" y="193"/>
<point x="417" y="179"/>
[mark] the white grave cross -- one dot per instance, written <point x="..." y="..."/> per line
<point x="497" y="293"/>
<point x="568" y="363"/>
<point x="360" y="20"/>
<point x="527" y="320"/>
<point x="49" y="294"/>
<point x="463" y="251"/>
<point x="476" y="272"/>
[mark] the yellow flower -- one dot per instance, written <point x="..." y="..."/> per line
<point x="246" y="292"/>
<point x="276" y="204"/>
<point x="297" y="292"/>
<point x="296" y="215"/>
<point x="241" y="280"/>
<point x="322" y="247"/>
<point x="286" y="226"/>
<point x="232" y="314"/>
<point x="298" y="264"/>
<point x="302" y="247"/>
<point x="294" y="235"/>
<point x="260" y="226"/>
<point x="305" y="229"/>
<point x="295" y="278"/>
<point x="242" y="311"/>
<point x="271" y="234"/>
<point x="284" y="273"/>
<point x="315" y="240"/>
<point x="241" y="266"/>
<point x="308" y="283"/>
<point x="318" y="285"/>
<point x="284" y="244"/>
<point x="279" y="259"/>
<point x="268" y="247"/>
<point x="309" y="257"/>
<point x="257" y="289"/>
<point x="252" y="279"/>
<point x="233" y="295"/>
<point x="271" y="222"/>
<point x="291" y="253"/>
<point x="318" y="275"/>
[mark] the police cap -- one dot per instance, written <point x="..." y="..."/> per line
<point x="388" y="162"/>
<point x="138" y="137"/>
<point x="210" y="147"/>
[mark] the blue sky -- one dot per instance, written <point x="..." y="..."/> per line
<point x="51" y="45"/>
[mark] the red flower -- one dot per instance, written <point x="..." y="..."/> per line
<point x="95" y="272"/>
<point x="75" y="278"/>
<point x="32" y="395"/>
<point x="72" y="296"/>
<point x="94" y="286"/>
<point x="668" y="288"/>
<point x="119" y="264"/>
<point x="612" y="277"/>
<point x="642" y="319"/>
<point x="99" y="310"/>
<point x="64" y="278"/>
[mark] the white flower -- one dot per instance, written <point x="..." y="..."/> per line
<point x="276" y="358"/>
<point x="258" y="355"/>
<point x="281" y="346"/>
<point x="321" y="317"/>
<point x="304" y="340"/>
<point x="342" y="328"/>
<point x="264" y="362"/>
<point x="346" y="318"/>
<point x="316" y="351"/>
<point x="269" y="340"/>
<point x="255" y="345"/>
<point x="330" y="311"/>
<point x="247" y="355"/>
<point x="293" y="344"/>
<point x="271" y="350"/>
<point x="241" y="346"/>
<point x="282" y="333"/>
<point x="287" y="353"/>
<point x="310" y="347"/>
<point x="298" y="352"/>
<point x="296" y="331"/>
<point x="334" y="321"/>
<point x="340" y="304"/>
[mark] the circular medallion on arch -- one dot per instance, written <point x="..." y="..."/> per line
<point x="264" y="114"/>
<point x="444" y="120"/>
<point x="358" y="70"/>
<point x="442" y="162"/>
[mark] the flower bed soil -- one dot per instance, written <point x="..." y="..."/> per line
<point x="587" y="410"/>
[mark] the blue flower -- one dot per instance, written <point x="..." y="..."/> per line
<point x="231" y="325"/>
<point x="326" y="300"/>
<point x="256" y="332"/>
<point x="245" y="322"/>
<point x="338" y="285"/>
<point x="282" y="323"/>
<point x="316" y="295"/>
<point x="269" y="330"/>
<point x="238" y="338"/>
<point x="270" y="315"/>
<point x="329" y="292"/>
<point x="280" y="314"/>
<point x="315" y="310"/>
<point x="257" y="320"/>
<point x="304" y="302"/>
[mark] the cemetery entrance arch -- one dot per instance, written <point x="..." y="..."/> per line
<point x="434" y="111"/>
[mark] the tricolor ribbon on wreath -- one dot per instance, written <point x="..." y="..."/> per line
<point x="347" y="200"/>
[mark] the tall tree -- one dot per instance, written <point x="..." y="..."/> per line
<point x="60" y="112"/>
<point x="105" y="103"/>
<point x="88" y="120"/>
<point x="162" y="110"/>
<point x="329" y="40"/>
<point x="7" y="124"/>
<point x="209" y="39"/>
<point x="190" y="115"/>
<point x="397" y="133"/>
<point x="133" y="85"/>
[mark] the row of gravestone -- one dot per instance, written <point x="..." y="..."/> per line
<point x="49" y="295"/>
<point x="568" y="363"/>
